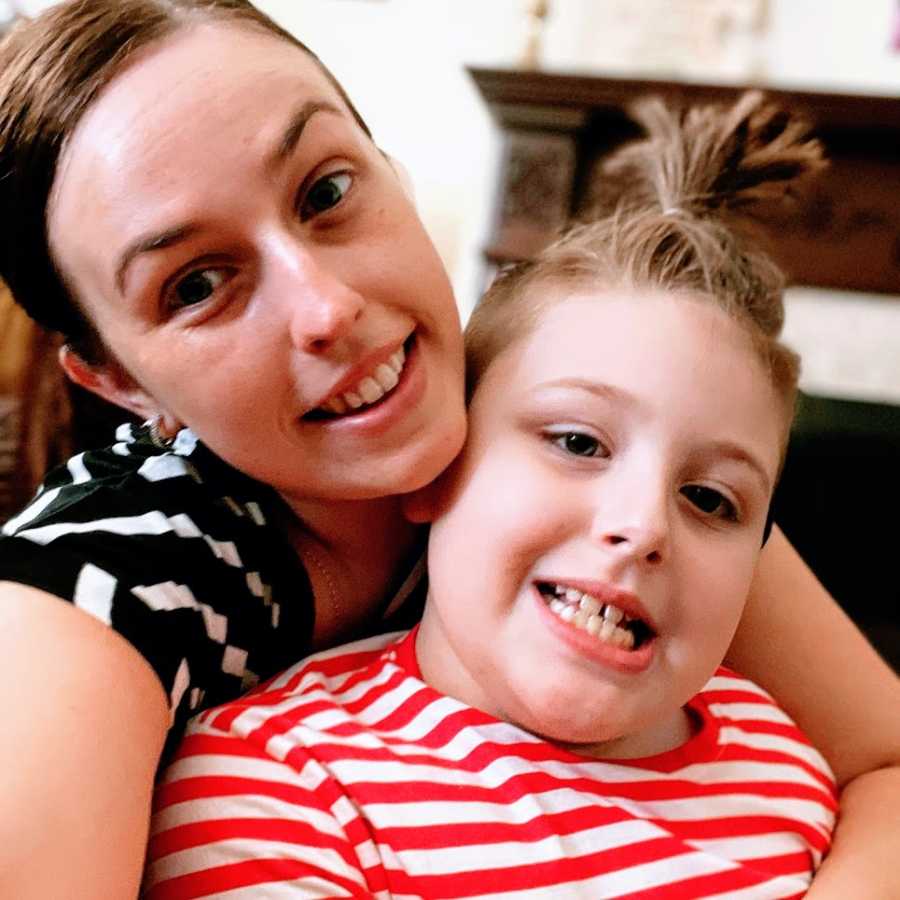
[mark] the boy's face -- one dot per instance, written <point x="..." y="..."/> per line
<point x="620" y="461"/>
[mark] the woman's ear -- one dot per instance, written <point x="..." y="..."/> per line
<point x="109" y="381"/>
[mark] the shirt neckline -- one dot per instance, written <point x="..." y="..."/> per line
<point x="703" y="746"/>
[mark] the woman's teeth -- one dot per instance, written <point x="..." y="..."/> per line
<point x="605" y="622"/>
<point x="370" y="389"/>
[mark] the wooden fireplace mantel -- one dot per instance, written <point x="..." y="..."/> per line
<point x="844" y="232"/>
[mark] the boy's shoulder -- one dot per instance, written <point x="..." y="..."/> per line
<point x="330" y="669"/>
<point x="728" y="685"/>
<point x="730" y="696"/>
<point x="337" y="681"/>
<point x="751" y="725"/>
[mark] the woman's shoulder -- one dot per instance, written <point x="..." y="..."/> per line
<point x="177" y="552"/>
<point x="131" y="473"/>
<point x="126" y="504"/>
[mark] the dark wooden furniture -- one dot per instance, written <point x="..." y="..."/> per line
<point x="845" y="234"/>
<point x="841" y="475"/>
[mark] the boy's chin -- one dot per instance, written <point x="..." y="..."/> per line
<point x="578" y="733"/>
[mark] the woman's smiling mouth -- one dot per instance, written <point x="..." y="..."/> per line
<point x="366" y="391"/>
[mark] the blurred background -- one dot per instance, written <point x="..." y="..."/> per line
<point x="500" y="108"/>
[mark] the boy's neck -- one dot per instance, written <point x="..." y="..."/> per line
<point x="351" y="551"/>
<point x="661" y="738"/>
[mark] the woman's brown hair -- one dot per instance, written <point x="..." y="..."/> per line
<point x="51" y="70"/>
<point x="667" y="217"/>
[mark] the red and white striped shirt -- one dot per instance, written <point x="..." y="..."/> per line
<point x="348" y="776"/>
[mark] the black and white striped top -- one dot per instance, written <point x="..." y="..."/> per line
<point x="182" y="555"/>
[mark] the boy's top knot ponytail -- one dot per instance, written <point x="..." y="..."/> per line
<point x="707" y="159"/>
<point x="670" y="213"/>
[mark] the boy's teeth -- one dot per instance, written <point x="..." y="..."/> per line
<point x="587" y="613"/>
<point x="371" y="388"/>
<point x="581" y="618"/>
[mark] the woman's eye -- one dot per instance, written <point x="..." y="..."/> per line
<point x="197" y="287"/>
<point x="710" y="501"/>
<point x="326" y="193"/>
<point x="577" y="443"/>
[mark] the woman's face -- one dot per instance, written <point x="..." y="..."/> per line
<point x="256" y="270"/>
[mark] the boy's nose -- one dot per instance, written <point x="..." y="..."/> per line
<point x="634" y="527"/>
<point x="637" y="542"/>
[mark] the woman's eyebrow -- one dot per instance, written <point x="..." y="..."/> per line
<point x="294" y="131"/>
<point x="290" y="137"/>
<point x="147" y="243"/>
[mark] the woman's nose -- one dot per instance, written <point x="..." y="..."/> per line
<point x="322" y="307"/>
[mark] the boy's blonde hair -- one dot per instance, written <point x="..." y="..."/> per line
<point x="667" y="218"/>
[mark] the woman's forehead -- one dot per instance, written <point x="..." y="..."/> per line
<point x="221" y="69"/>
<point x="209" y="98"/>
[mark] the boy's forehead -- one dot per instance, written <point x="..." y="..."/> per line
<point x="637" y="345"/>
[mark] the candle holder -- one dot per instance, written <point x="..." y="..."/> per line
<point x="536" y="15"/>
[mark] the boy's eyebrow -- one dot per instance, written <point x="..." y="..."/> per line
<point x="159" y="240"/>
<point x="598" y="388"/>
<point x="726" y="449"/>
<point x="740" y="454"/>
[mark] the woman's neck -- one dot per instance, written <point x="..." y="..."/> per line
<point x="351" y="551"/>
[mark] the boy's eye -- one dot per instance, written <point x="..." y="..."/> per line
<point x="577" y="443"/>
<point x="710" y="501"/>
<point x="197" y="287"/>
<point x="326" y="193"/>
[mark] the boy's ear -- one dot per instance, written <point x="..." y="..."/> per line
<point x="428" y="503"/>
<point x="420" y="506"/>
<point x="109" y="381"/>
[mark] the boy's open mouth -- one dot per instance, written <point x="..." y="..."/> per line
<point x="604" y="621"/>
<point x="368" y="391"/>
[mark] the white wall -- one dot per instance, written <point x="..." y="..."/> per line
<point x="841" y="44"/>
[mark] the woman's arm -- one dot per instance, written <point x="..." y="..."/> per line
<point x="863" y="863"/>
<point x="796" y="642"/>
<point x="84" y="721"/>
